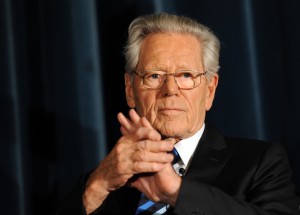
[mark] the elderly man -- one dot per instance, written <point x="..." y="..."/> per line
<point x="171" y="78"/>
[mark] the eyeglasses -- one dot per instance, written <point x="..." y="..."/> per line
<point x="185" y="79"/>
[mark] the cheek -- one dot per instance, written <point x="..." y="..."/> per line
<point x="197" y="103"/>
<point x="145" y="104"/>
<point x="197" y="108"/>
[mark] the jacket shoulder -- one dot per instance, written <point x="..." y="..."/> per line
<point x="250" y="146"/>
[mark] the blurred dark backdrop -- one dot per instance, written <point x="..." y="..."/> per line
<point x="61" y="85"/>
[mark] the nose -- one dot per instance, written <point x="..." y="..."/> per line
<point x="170" y="86"/>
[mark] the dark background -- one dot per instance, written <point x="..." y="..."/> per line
<point x="61" y="85"/>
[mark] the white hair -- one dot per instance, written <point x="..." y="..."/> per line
<point x="169" y="23"/>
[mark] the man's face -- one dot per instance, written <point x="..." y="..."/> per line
<point x="172" y="111"/>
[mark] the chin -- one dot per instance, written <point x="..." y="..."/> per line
<point x="171" y="127"/>
<point x="172" y="131"/>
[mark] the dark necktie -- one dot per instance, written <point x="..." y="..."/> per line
<point x="176" y="155"/>
<point x="146" y="206"/>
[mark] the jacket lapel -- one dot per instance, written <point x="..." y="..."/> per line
<point x="209" y="158"/>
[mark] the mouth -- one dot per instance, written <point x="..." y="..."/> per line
<point x="170" y="110"/>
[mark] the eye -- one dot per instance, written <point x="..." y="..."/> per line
<point x="185" y="75"/>
<point x="152" y="76"/>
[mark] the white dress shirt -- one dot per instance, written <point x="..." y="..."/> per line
<point x="186" y="149"/>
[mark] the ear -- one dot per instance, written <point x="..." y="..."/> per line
<point x="211" y="91"/>
<point x="129" y="90"/>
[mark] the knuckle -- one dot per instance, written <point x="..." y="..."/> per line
<point x="139" y="132"/>
<point x="143" y="144"/>
<point x="141" y="155"/>
<point x="118" y="158"/>
<point x="161" y="146"/>
<point x="119" y="148"/>
<point x="137" y="166"/>
<point x="155" y="167"/>
<point x="120" y="168"/>
<point x="152" y="133"/>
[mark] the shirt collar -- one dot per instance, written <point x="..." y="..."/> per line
<point x="186" y="147"/>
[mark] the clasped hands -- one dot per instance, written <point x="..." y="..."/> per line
<point x="139" y="159"/>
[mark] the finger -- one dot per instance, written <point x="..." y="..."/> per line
<point x="124" y="131"/>
<point x="156" y="146"/>
<point x="147" y="167"/>
<point x="145" y="122"/>
<point x="151" y="133"/>
<point x="144" y="133"/>
<point x="139" y="120"/>
<point x="125" y="123"/>
<point x="134" y="117"/>
<point x="147" y="156"/>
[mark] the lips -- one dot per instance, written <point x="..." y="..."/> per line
<point x="170" y="106"/>
<point x="169" y="109"/>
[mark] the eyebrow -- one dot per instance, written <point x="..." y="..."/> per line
<point x="162" y="67"/>
<point x="165" y="70"/>
<point x="162" y="70"/>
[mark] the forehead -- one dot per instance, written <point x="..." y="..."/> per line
<point x="170" y="50"/>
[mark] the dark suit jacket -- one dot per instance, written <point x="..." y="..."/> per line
<point x="226" y="176"/>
